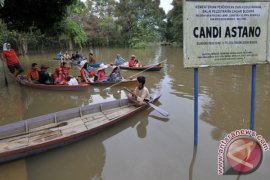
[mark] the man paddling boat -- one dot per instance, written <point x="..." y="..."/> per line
<point x="140" y="94"/>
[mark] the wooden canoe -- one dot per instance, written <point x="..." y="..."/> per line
<point x="125" y="82"/>
<point x="35" y="135"/>
<point x="147" y="67"/>
<point x="24" y="82"/>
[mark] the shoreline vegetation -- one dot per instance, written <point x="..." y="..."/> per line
<point x="73" y="24"/>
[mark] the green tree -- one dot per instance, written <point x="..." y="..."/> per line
<point x="70" y="28"/>
<point x="22" y="14"/>
<point x="174" y="31"/>
<point x="141" y="21"/>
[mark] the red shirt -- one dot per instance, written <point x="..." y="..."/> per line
<point x="60" y="79"/>
<point x="56" y="72"/>
<point x="33" y="74"/>
<point x="101" y="75"/>
<point x="65" y="70"/>
<point x="10" y="57"/>
<point x="131" y="62"/>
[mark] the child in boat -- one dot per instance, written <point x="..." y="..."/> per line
<point x="33" y="73"/>
<point x="65" y="68"/>
<point x="140" y="94"/>
<point x="131" y="62"/>
<point x="115" y="75"/>
<point x="66" y="56"/>
<point x="137" y="63"/>
<point x="101" y="73"/>
<point x="60" y="79"/>
<point x="85" y="74"/>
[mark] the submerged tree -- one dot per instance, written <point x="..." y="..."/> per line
<point x="26" y="18"/>
<point x="141" y="21"/>
<point x="174" y="31"/>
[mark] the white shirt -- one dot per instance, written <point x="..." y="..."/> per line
<point x="73" y="82"/>
<point x="142" y="94"/>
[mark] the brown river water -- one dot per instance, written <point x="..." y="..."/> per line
<point x="146" y="146"/>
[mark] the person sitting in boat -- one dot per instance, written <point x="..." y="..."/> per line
<point x="72" y="81"/>
<point x="33" y="74"/>
<point x="65" y="68"/>
<point x="59" y="55"/>
<point x="140" y="94"/>
<point x="119" y="60"/>
<point x="44" y="76"/>
<point x="115" y="75"/>
<point x="60" y="79"/>
<point x="66" y="56"/>
<point x="131" y="62"/>
<point x="92" y="58"/>
<point x="85" y="76"/>
<point x="137" y="63"/>
<point x="101" y="72"/>
<point x="73" y="57"/>
<point x="78" y="57"/>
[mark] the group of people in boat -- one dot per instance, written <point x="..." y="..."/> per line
<point x="75" y="57"/>
<point x="133" y="62"/>
<point x="62" y="76"/>
<point x="88" y="75"/>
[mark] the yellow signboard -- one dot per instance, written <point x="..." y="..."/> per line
<point x="225" y="33"/>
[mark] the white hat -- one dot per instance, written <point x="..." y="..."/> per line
<point x="113" y="67"/>
<point x="102" y="66"/>
<point x="82" y="63"/>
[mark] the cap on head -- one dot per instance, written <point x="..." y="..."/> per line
<point x="133" y="56"/>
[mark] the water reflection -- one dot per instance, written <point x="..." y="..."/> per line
<point x="191" y="166"/>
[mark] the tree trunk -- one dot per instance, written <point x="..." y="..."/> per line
<point x="70" y="44"/>
<point x="107" y="39"/>
<point x="22" y="46"/>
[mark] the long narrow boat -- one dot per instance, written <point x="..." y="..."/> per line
<point x="124" y="82"/>
<point x="22" y="81"/>
<point x="35" y="135"/>
<point x="146" y="67"/>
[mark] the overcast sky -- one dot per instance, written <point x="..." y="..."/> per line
<point x="166" y="5"/>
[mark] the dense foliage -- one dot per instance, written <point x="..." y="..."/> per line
<point x="69" y="24"/>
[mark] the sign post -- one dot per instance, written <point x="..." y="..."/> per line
<point x="225" y="33"/>
<point x="253" y="97"/>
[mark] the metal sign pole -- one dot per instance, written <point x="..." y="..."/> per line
<point x="253" y="97"/>
<point x="196" y="87"/>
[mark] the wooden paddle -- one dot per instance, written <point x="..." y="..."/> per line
<point x="158" y="109"/>
<point x="4" y="71"/>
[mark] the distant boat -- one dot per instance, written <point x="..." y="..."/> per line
<point x="39" y="134"/>
<point x="25" y="82"/>
<point x="156" y="67"/>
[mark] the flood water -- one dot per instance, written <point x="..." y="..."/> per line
<point x="146" y="146"/>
